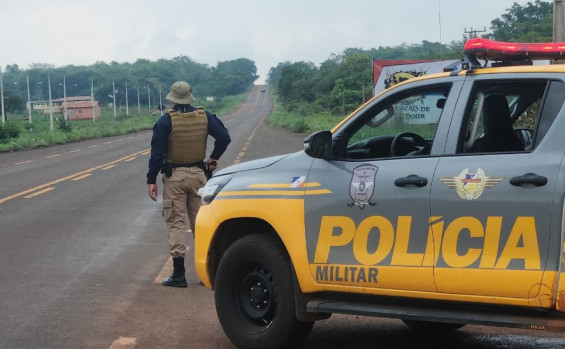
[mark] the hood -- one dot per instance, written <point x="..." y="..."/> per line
<point x="250" y="165"/>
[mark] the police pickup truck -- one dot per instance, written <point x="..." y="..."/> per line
<point x="439" y="202"/>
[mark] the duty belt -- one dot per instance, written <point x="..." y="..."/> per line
<point x="192" y="164"/>
<point x="167" y="168"/>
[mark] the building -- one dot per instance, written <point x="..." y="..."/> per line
<point x="78" y="108"/>
<point x="81" y="110"/>
<point x="44" y="105"/>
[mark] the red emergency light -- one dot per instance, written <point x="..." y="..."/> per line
<point x="491" y="50"/>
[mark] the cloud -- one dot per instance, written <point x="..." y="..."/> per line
<point x="64" y="32"/>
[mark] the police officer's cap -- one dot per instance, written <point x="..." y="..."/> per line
<point x="181" y="93"/>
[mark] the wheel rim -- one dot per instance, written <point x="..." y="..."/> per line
<point x="258" y="296"/>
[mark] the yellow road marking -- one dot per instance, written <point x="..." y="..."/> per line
<point x="244" y="148"/>
<point x="108" y="167"/>
<point x="39" y="192"/>
<point x="124" y="343"/>
<point x="165" y="272"/>
<point x="167" y="269"/>
<point x="81" y="177"/>
<point x="25" y="192"/>
<point x="130" y="159"/>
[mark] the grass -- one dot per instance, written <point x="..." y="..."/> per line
<point x="17" y="133"/>
<point x="302" y="124"/>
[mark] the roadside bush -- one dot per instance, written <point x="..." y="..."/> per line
<point x="9" y="130"/>
<point x="64" y="125"/>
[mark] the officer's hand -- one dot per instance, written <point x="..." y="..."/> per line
<point x="153" y="192"/>
<point x="212" y="164"/>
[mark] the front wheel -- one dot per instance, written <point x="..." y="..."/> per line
<point x="254" y="294"/>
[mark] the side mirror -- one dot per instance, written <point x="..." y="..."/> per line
<point x="319" y="145"/>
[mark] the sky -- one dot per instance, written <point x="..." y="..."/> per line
<point x="82" y="32"/>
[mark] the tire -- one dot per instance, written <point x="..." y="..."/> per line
<point x="432" y="327"/>
<point x="254" y="294"/>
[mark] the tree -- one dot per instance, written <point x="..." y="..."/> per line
<point x="13" y="103"/>
<point x="12" y="68"/>
<point x="230" y="77"/>
<point x="233" y="77"/>
<point x="297" y="83"/>
<point x="532" y="22"/>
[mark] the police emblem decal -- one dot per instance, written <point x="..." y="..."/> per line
<point x="362" y="186"/>
<point x="470" y="186"/>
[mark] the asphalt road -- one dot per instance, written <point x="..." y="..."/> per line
<point x="83" y="249"/>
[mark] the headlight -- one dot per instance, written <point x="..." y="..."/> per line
<point x="212" y="188"/>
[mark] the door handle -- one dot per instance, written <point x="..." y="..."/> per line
<point x="411" y="180"/>
<point x="529" y="178"/>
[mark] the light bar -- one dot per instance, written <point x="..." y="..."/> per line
<point x="491" y="50"/>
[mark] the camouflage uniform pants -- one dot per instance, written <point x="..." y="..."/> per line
<point x="180" y="199"/>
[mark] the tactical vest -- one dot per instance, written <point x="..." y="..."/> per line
<point x="187" y="140"/>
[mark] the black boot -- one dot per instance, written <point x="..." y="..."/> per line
<point x="177" y="279"/>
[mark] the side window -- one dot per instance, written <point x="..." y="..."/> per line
<point x="502" y="116"/>
<point x="553" y="103"/>
<point x="403" y="126"/>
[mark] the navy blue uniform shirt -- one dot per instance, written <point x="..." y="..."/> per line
<point x="159" y="141"/>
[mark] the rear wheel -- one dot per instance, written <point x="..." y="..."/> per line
<point x="430" y="326"/>
<point x="254" y="294"/>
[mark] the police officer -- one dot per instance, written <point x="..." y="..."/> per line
<point x="178" y="150"/>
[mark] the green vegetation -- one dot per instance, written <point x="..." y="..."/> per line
<point x="144" y="80"/>
<point x="532" y="22"/>
<point x="309" y="97"/>
<point x="18" y="133"/>
<point x="313" y="98"/>
<point x="296" y="123"/>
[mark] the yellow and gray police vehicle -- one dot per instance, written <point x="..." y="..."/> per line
<point x="440" y="202"/>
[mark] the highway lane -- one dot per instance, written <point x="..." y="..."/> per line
<point x="80" y="261"/>
<point x="81" y="239"/>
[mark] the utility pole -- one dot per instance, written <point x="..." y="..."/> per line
<point x="558" y="21"/>
<point x="473" y="32"/>
<point x="92" y="100"/>
<point x="114" y="97"/>
<point x="2" y="98"/>
<point x="558" y="25"/>
<point x="148" y="98"/>
<point x="160" y="102"/>
<point x="50" y="103"/>
<point x="127" y="105"/>
<point x="28" y="100"/>
<point x="65" y="116"/>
